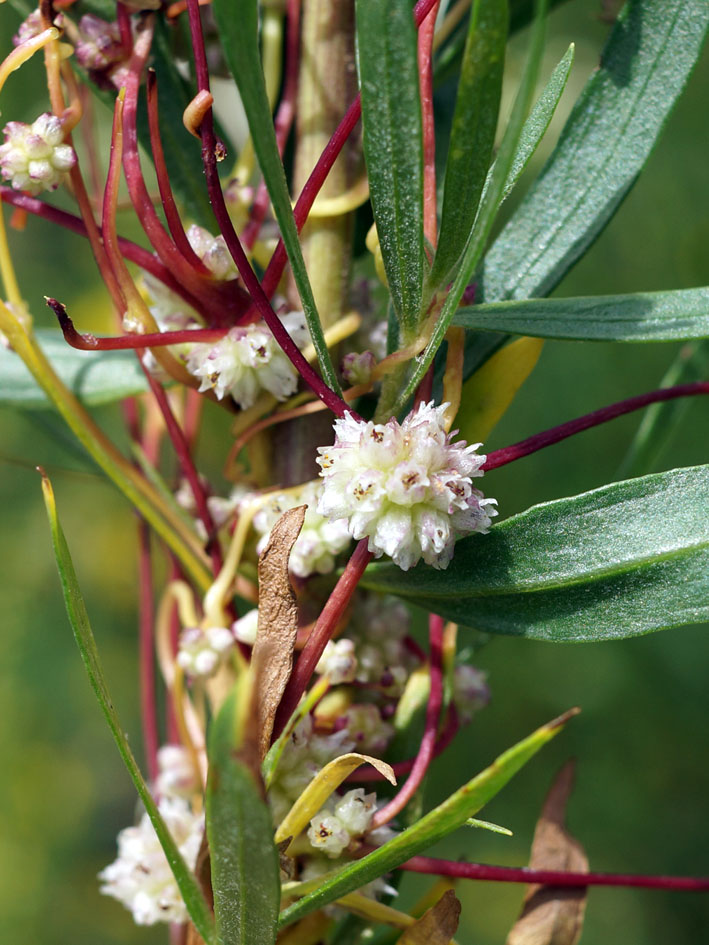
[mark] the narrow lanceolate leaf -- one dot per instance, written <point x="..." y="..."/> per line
<point x="605" y="143"/>
<point x="553" y="916"/>
<point x="393" y="148"/>
<point x="626" y="559"/>
<point x="245" y="872"/>
<point x="79" y="620"/>
<point x="473" y="132"/>
<point x="489" y="206"/>
<point x="272" y="656"/>
<point x="661" y="420"/>
<point x="438" y="823"/>
<point x="238" y="30"/>
<point x="681" y="315"/>
<point x="95" y="377"/>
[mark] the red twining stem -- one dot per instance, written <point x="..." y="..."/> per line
<point x="172" y="216"/>
<point x="253" y="286"/>
<point x="131" y="251"/>
<point x="428" y="741"/>
<point x="510" y="874"/>
<point x="322" y="632"/>
<point x="548" y="437"/>
<point x="317" y="177"/>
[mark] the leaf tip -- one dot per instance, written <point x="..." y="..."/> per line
<point x="561" y="720"/>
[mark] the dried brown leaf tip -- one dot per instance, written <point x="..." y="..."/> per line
<point x="272" y="657"/>
<point x="437" y="926"/>
<point x="552" y="915"/>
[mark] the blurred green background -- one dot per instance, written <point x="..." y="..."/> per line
<point x="641" y="801"/>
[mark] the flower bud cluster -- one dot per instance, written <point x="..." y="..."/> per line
<point x="202" y="651"/>
<point x="405" y="487"/>
<point x="140" y="878"/>
<point x="343" y="818"/>
<point x="34" y="157"/>
<point x="247" y="361"/>
<point x="98" y="43"/>
<point x="319" y="541"/>
<point x="470" y="691"/>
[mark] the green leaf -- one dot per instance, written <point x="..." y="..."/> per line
<point x="79" y="620"/>
<point x="438" y="823"/>
<point x="626" y="559"/>
<point x="473" y="131"/>
<point x="245" y="871"/>
<point x="643" y="316"/>
<point x="238" y="30"/>
<point x="393" y="146"/>
<point x="489" y="206"/>
<point x="605" y="143"/>
<point x="95" y="377"/>
<point x="661" y="420"/>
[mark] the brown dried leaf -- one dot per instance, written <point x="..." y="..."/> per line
<point x="437" y="926"/>
<point x="272" y="657"/>
<point x="553" y="915"/>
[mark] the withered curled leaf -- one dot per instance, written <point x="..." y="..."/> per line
<point x="272" y="657"/>
<point x="437" y="926"/>
<point x="553" y="915"/>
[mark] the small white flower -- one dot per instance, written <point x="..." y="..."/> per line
<point x="247" y="361"/>
<point x="357" y="367"/>
<point x="176" y="775"/>
<point x="141" y="877"/>
<point x="213" y="252"/>
<point x="406" y="487"/>
<point x="367" y="728"/>
<point x="201" y="652"/>
<point x="246" y="627"/>
<point x="34" y="157"/>
<point x="319" y="540"/>
<point x="343" y="818"/>
<point x="470" y="691"/>
<point x="338" y="661"/>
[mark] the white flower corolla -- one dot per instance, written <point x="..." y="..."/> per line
<point x="246" y="627"/>
<point x="366" y="727"/>
<point x="201" y="652"/>
<point x="405" y="487"/>
<point x="34" y="157"/>
<point x="141" y="877"/>
<point x="176" y="772"/>
<point x="319" y="540"/>
<point x="305" y="753"/>
<point x="338" y="661"/>
<point x="213" y="252"/>
<point x="343" y="818"/>
<point x="247" y="361"/>
<point x="470" y="691"/>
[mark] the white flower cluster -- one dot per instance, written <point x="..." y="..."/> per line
<point x="34" y="157"/>
<point x="176" y="773"/>
<point x="248" y="360"/>
<point x="213" y="252"/>
<point x="470" y="691"/>
<point x="141" y="877"/>
<point x="304" y="755"/>
<point x="366" y="727"/>
<point x="406" y="487"/>
<point x="378" y="627"/>
<point x="319" y="540"/>
<point x="338" y="661"/>
<point x="342" y="818"/>
<point x="202" y="652"/>
<point x="98" y="43"/>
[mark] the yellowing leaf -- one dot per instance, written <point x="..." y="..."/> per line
<point x="490" y="391"/>
<point x="322" y="786"/>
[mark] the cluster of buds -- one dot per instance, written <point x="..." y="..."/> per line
<point x="34" y="157"/>
<point x="202" y="651"/>
<point x="341" y="820"/>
